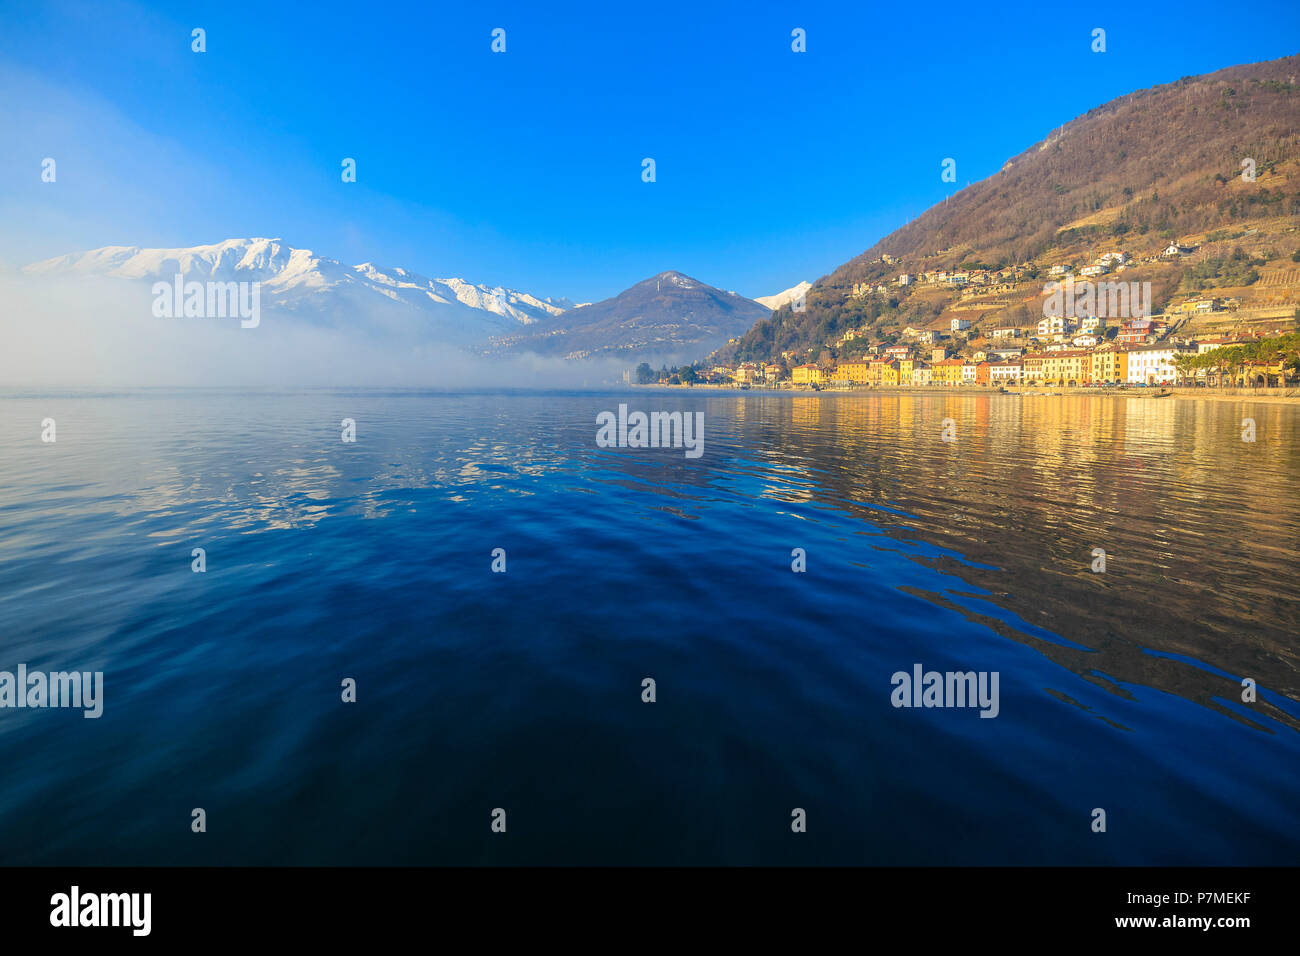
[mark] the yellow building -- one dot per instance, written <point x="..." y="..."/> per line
<point x="1262" y="374"/>
<point x="807" y="375"/>
<point x="883" y="372"/>
<point x="1066" y="367"/>
<point x="855" y="372"/>
<point x="946" y="373"/>
<point x="905" y="367"/>
<point x="1108" y="364"/>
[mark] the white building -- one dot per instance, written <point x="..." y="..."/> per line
<point x="1092" y="324"/>
<point x="1085" y="341"/>
<point x="920" y="374"/>
<point x="1005" y="373"/>
<point x="1154" y="364"/>
<point x="1052" y="325"/>
<point x="1006" y="333"/>
<point x="960" y="325"/>
<point x="968" y="373"/>
<point x="1089" y="272"/>
<point x="905" y="279"/>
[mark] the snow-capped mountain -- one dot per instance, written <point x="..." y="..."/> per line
<point x="301" y="281"/>
<point x="784" y="298"/>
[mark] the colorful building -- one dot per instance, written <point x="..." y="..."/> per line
<point x="807" y="375"/>
<point x="1108" y="364"/>
<point x="1066" y="367"/>
<point x="946" y="373"/>
<point x="854" y="372"/>
<point x="883" y="372"/>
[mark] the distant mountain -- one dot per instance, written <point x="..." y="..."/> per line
<point x="669" y="317"/>
<point x="1153" y="167"/>
<point x="784" y="298"/>
<point x="318" y="287"/>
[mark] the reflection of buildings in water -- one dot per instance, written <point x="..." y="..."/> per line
<point x="738" y="408"/>
<point x="805" y="412"/>
<point x="982" y="414"/>
<point x="1035" y="484"/>
<point x="1150" y="425"/>
<point x="906" y="414"/>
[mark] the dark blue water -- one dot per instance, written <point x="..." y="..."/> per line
<point x="478" y="690"/>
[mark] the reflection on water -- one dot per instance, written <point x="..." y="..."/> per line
<point x="1120" y="689"/>
<point x="1201" y="530"/>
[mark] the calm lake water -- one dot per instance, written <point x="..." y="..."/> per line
<point x="523" y="690"/>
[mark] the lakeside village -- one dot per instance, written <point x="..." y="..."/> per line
<point x="1092" y="334"/>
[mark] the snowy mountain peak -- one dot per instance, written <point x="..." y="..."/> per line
<point x="784" y="298"/>
<point x="301" y="280"/>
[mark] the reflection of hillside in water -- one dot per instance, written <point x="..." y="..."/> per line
<point x="1201" y="529"/>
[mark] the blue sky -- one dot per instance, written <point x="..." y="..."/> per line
<point x="524" y="169"/>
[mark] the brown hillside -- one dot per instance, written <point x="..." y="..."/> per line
<point x="1151" y="167"/>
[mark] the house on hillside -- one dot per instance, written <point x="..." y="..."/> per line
<point x="1209" y="345"/>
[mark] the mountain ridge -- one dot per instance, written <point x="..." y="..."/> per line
<point x="299" y="279"/>
<point x="1152" y="167"/>
<point x="666" y="317"/>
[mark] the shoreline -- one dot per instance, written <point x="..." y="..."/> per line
<point x="1268" y="396"/>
